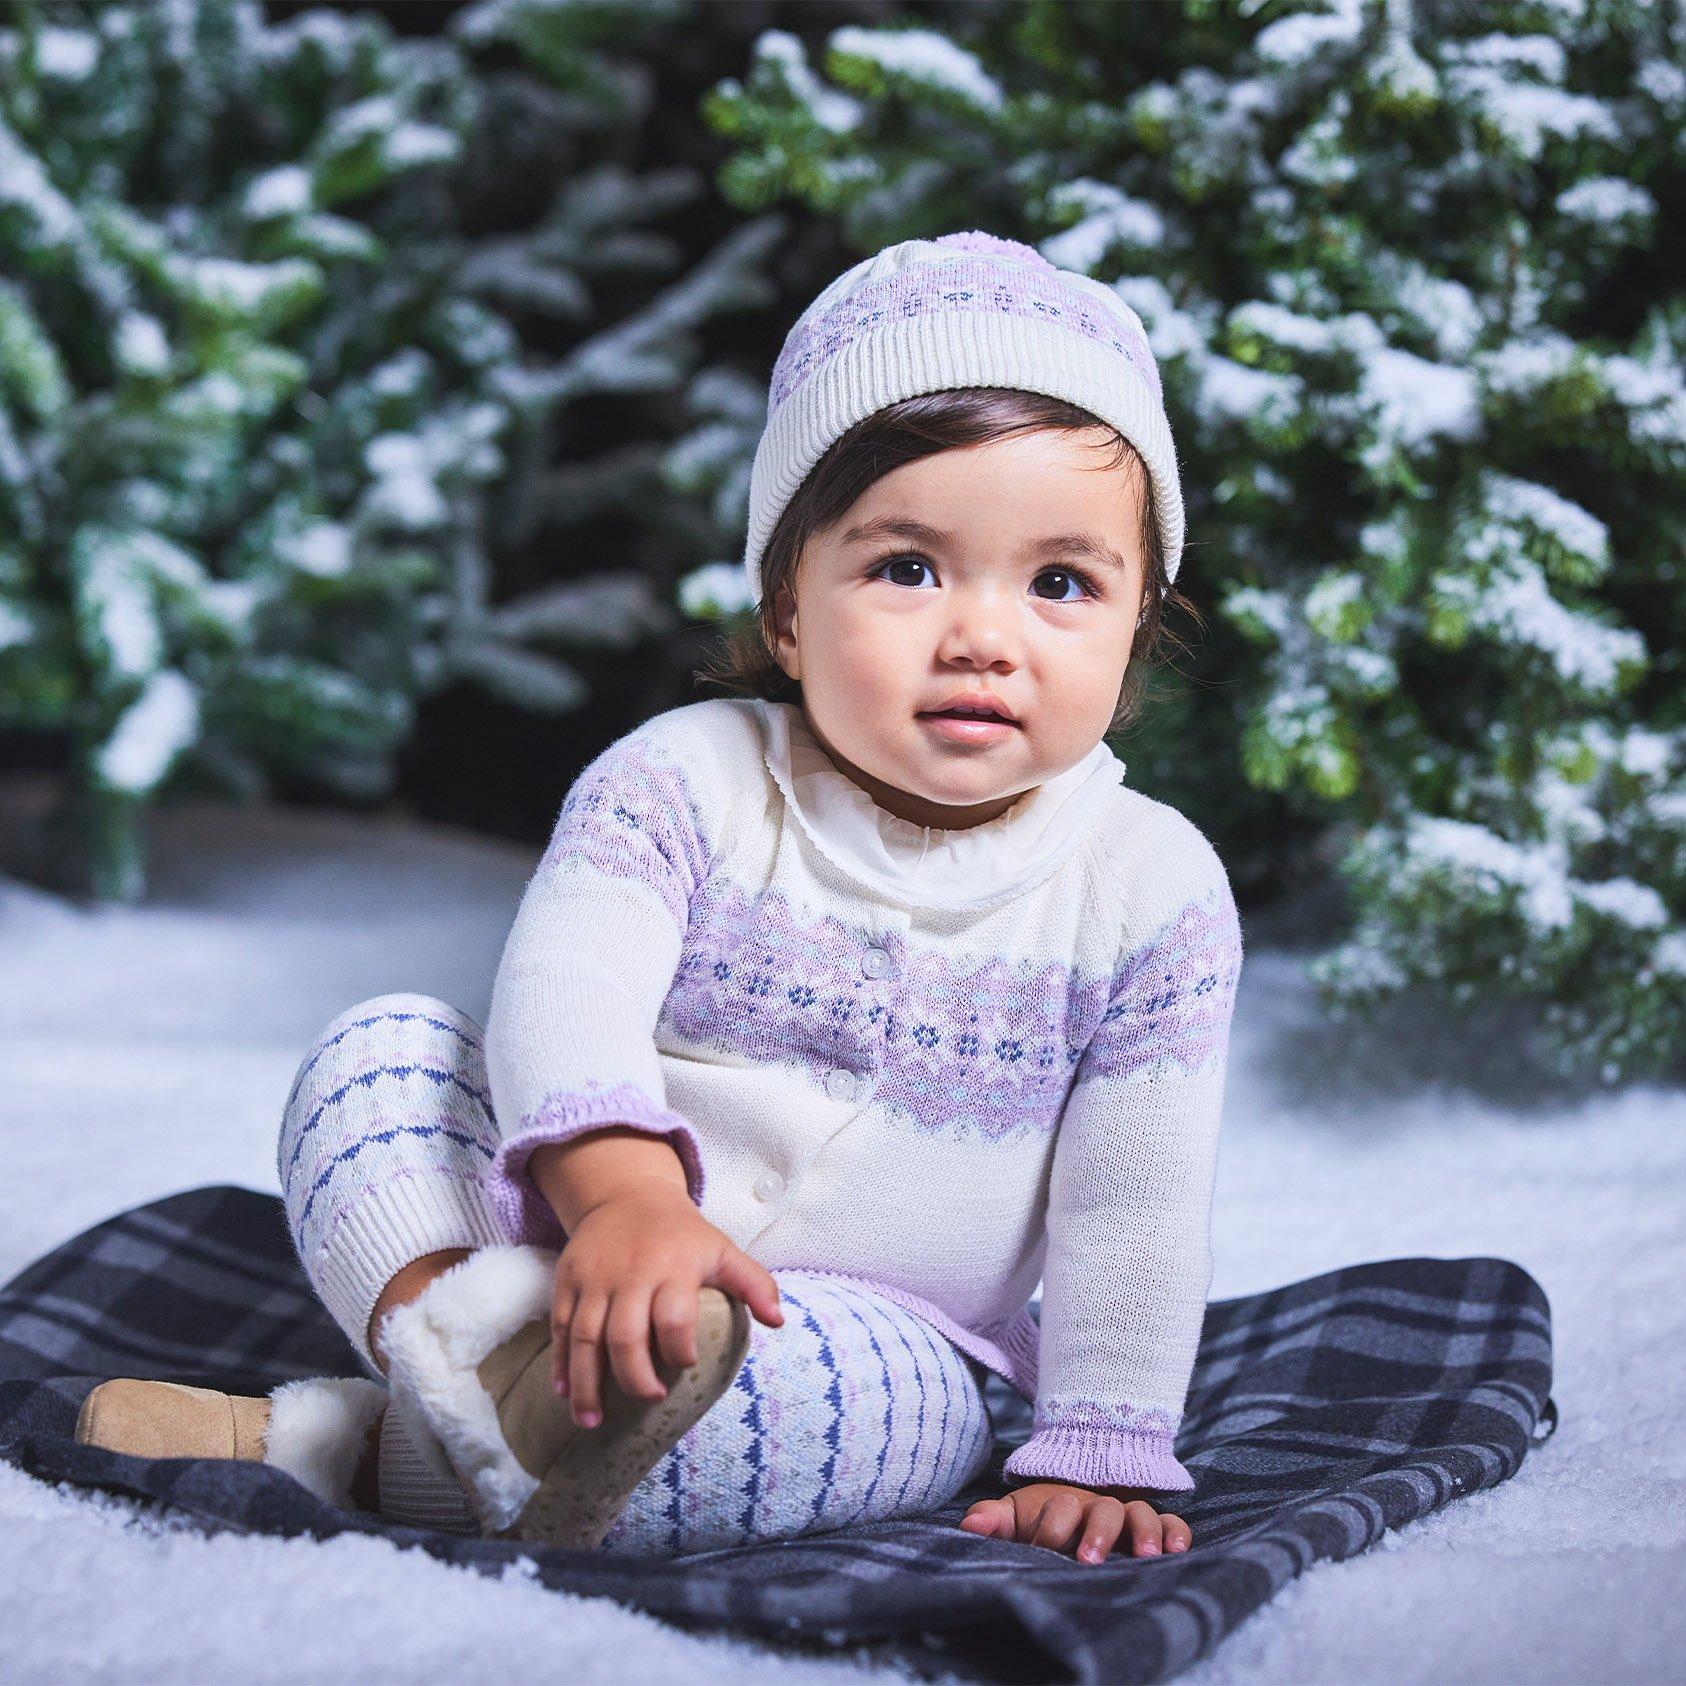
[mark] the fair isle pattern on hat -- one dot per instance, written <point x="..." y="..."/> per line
<point x="968" y="309"/>
<point x="973" y="282"/>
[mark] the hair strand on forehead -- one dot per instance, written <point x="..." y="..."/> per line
<point x="904" y="432"/>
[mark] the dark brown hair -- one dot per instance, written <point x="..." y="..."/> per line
<point x="902" y="433"/>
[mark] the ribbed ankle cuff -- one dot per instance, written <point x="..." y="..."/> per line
<point x="390" y="1226"/>
<point x="410" y="1492"/>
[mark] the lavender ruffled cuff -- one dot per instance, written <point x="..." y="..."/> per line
<point x="1095" y="1445"/>
<point x="525" y="1215"/>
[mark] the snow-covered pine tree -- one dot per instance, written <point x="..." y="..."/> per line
<point x="1423" y="348"/>
<point x="266" y="416"/>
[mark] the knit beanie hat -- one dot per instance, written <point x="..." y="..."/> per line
<point x="967" y="309"/>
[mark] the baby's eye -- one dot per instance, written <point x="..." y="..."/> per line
<point x="1085" y="586"/>
<point x="1081" y="581"/>
<point x="881" y="571"/>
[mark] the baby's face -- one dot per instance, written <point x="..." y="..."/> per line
<point x="886" y="627"/>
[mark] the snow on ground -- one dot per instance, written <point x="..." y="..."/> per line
<point x="150" y="1049"/>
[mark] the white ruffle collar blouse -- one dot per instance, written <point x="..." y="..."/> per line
<point x="929" y="865"/>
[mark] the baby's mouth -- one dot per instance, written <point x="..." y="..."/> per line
<point x="963" y="727"/>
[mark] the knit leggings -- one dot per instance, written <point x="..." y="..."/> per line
<point x="854" y="1410"/>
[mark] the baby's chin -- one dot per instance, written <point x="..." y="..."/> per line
<point x="947" y="802"/>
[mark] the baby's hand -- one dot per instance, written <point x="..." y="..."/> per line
<point x="1050" y="1513"/>
<point x="632" y="1268"/>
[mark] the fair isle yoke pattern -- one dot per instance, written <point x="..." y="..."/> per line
<point x="948" y="1105"/>
<point x="1010" y="1033"/>
<point x="986" y="1053"/>
<point x="1171" y="1001"/>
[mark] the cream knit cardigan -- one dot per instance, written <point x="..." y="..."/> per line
<point x="946" y="1064"/>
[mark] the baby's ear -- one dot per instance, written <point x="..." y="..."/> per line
<point x="785" y="650"/>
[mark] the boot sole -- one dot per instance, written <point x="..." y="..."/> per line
<point x="586" y="1476"/>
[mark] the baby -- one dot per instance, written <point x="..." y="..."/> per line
<point x="867" y="999"/>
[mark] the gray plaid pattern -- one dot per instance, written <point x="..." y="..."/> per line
<point x="1321" y="1414"/>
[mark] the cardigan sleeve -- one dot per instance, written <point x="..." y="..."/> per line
<point x="590" y="958"/>
<point x="1129" y="1256"/>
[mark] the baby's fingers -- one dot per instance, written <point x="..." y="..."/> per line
<point x="740" y="1276"/>
<point x="990" y="1517"/>
<point x="1101" y="1530"/>
<point x="563" y="1303"/>
<point x="585" y="1358"/>
<point x="628" y="1338"/>
<point x="1059" y="1522"/>
<point x="1146" y="1531"/>
<point x="673" y="1312"/>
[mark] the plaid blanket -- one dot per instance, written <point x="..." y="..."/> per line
<point x="1321" y="1414"/>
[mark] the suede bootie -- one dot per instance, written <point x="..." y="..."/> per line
<point x="469" y="1368"/>
<point x="315" y="1428"/>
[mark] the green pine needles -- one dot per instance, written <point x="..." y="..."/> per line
<point x="269" y="424"/>
<point x="1407" y="274"/>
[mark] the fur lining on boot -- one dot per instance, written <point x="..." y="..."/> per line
<point x="433" y="1347"/>
<point x="316" y="1431"/>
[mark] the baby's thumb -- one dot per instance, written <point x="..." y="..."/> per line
<point x="739" y="1274"/>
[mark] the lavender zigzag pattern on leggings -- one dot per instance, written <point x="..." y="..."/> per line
<point x="858" y="1406"/>
<point x="402" y="1095"/>
<point x="944" y="1456"/>
<point x="297" y="1124"/>
<point x="381" y="1016"/>
<point x="828" y="1440"/>
<point x="824" y="1426"/>
<point x="421" y="1121"/>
